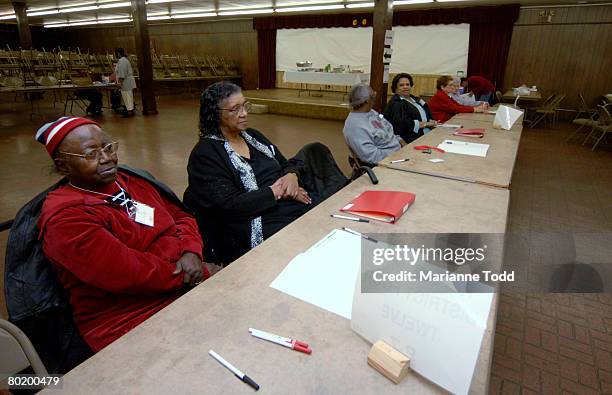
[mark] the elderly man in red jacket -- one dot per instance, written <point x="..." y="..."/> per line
<point x="121" y="249"/>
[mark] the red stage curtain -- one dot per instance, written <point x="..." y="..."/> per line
<point x="490" y="34"/>
<point x="488" y="51"/>
<point x="266" y="58"/>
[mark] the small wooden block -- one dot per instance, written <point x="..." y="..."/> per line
<point x="388" y="361"/>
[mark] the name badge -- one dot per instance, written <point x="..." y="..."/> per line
<point x="145" y="214"/>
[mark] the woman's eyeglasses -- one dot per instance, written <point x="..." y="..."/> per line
<point x="246" y="106"/>
<point x="94" y="154"/>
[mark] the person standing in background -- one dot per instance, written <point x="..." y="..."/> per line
<point x="481" y="87"/>
<point x="125" y="79"/>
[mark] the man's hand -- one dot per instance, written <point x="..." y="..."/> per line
<point x="191" y="265"/>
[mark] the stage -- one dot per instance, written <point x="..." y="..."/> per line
<point x="300" y="103"/>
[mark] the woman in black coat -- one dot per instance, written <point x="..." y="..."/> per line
<point x="408" y="114"/>
<point x="241" y="188"/>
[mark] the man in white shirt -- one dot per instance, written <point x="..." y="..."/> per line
<point x="125" y="79"/>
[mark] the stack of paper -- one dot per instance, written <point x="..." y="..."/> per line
<point x="464" y="148"/>
<point x="325" y="274"/>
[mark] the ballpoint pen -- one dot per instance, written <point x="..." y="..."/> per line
<point x="234" y="370"/>
<point x="359" y="234"/>
<point x="349" y="218"/>
<point x="283" y="341"/>
<point x="400" y="160"/>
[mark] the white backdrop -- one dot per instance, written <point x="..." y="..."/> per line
<point x="431" y="49"/>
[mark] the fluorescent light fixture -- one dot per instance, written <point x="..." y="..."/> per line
<point x="246" y="7"/>
<point x="311" y="8"/>
<point x="361" y="5"/>
<point x="301" y="3"/>
<point x="116" y="5"/>
<point x="247" y="12"/>
<point x="6" y="17"/>
<point x="77" y="9"/>
<point x="161" y="1"/>
<point x="124" y="20"/>
<point x="35" y="9"/>
<point x="108" y="18"/>
<point x="407" y="2"/>
<point x="158" y="13"/>
<point x="448" y="1"/>
<point x="201" y="15"/>
<point x="158" y="18"/>
<point x="48" y="12"/>
<point x="193" y="11"/>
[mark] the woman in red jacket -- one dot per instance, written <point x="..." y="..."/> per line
<point x="442" y="106"/>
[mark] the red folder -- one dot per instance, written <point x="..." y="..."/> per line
<point x="386" y="206"/>
<point x="477" y="133"/>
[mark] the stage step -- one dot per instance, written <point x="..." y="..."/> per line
<point x="257" y="108"/>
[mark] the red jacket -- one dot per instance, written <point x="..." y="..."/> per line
<point x="443" y="108"/>
<point x="479" y="85"/>
<point x="117" y="272"/>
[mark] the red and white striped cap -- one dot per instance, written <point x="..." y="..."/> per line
<point x="51" y="134"/>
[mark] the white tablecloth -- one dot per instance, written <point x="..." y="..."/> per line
<point x="311" y="77"/>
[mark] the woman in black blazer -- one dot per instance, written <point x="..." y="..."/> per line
<point x="408" y="114"/>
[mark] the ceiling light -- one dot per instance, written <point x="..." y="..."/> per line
<point x="116" y="5"/>
<point x="108" y="18"/>
<point x="6" y="17"/>
<point x="447" y="1"/>
<point x="158" y="18"/>
<point x="161" y="1"/>
<point x="247" y="12"/>
<point x="124" y="20"/>
<point x="300" y="3"/>
<point x="193" y="11"/>
<point x="247" y="7"/>
<point x="77" y="9"/>
<point x="406" y="2"/>
<point x="39" y="13"/>
<point x="361" y="5"/>
<point x="201" y="15"/>
<point x="312" y="8"/>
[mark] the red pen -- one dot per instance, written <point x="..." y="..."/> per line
<point x="283" y="341"/>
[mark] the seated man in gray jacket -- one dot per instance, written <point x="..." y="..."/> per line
<point x="366" y="132"/>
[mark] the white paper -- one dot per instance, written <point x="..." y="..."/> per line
<point x="441" y="333"/>
<point x="325" y="274"/>
<point x="386" y="74"/>
<point x="506" y="117"/>
<point x="449" y="125"/>
<point x="436" y="160"/>
<point x="464" y="148"/>
<point x="389" y="34"/>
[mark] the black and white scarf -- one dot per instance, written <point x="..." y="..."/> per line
<point x="246" y="175"/>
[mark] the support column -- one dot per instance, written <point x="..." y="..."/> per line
<point x="383" y="21"/>
<point x="143" y="52"/>
<point x="25" y="37"/>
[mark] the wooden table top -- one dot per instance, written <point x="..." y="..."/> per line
<point x="168" y="352"/>
<point x="495" y="169"/>
<point x="533" y="96"/>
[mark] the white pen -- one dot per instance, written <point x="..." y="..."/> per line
<point x="399" y="160"/>
<point x="234" y="370"/>
<point x="349" y="218"/>
<point x="359" y="234"/>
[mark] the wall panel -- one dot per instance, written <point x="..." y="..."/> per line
<point x="571" y="54"/>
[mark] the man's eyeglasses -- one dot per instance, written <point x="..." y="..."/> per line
<point x="95" y="153"/>
<point x="246" y="106"/>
